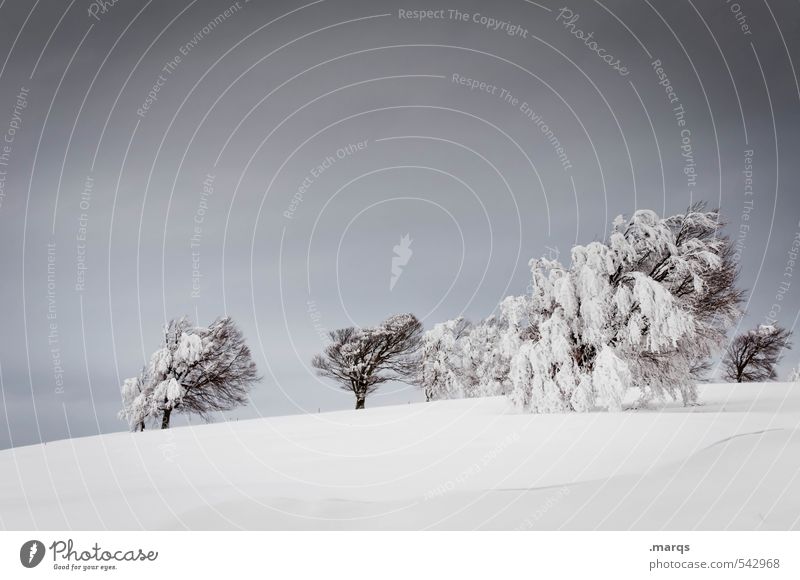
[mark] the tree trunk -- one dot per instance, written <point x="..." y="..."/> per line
<point x="165" y="419"/>
<point x="360" y="400"/>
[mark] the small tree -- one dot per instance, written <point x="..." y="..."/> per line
<point x="753" y="356"/>
<point x="197" y="370"/>
<point x="360" y="359"/>
<point x="135" y="403"/>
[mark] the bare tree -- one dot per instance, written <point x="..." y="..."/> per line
<point x="361" y="359"/>
<point x="754" y="355"/>
<point x="197" y="370"/>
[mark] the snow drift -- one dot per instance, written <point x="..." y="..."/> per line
<point x="732" y="463"/>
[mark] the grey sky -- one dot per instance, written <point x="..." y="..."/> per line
<point x="260" y="99"/>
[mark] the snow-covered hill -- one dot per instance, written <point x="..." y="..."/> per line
<point x="733" y="462"/>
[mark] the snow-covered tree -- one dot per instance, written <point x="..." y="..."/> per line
<point x="441" y="372"/>
<point x="644" y="309"/>
<point x="135" y="403"/>
<point x="754" y="355"/>
<point x="463" y="360"/>
<point x="361" y="359"/>
<point x="197" y="370"/>
<point x="486" y="365"/>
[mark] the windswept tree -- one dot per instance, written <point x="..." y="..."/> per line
<point x="754" y="355"/>
<point x="197" y="370"/>
<point x="361" y="359"/>
<point x="645" y="308"/>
